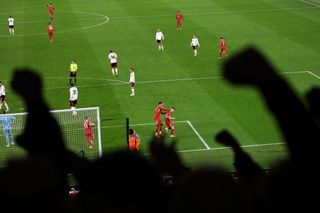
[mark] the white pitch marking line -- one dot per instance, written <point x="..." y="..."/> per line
<point x="199" y="136"/>
<point x="32" y="22"/>
<point x="311" y="73"/>
<point x="222" y="148"/>
<point x="106" y="19"/>
<point x="314" y="4"/>
<point x="97" y="79"/>
<point x="143" y="124"/>
<point x="216" y="12"/>
<point x="156" y="81"/>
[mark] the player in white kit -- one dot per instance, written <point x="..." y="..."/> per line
<point x="11" y="25"/>
<point x="132" y="81"/>
<point x="195" y="45"/>
<point x="113" y="60"/>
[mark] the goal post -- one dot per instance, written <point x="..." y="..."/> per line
<point x="71" y="125"/>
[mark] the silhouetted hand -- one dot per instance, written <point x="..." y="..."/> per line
<point x="224" y="137"/>
<point x="166" y="157"/>
<point x="248" y="67"/>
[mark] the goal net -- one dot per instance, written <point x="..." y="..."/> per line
<point x="71" y="125"/>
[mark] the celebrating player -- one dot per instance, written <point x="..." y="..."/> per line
<point x="11" y="25"/>
<point x="169" y="124"/>
<point x="50" y="31"/>
<point x="87" y="127"/>
<point x="134" y="141"/>
<point x="113" y="60"/>
<point x="132" y="81"/>
<point x="223" y="46"/>
<point x="7" y="128"/>
<point x="73" y="100"/>
<point x="73" y="72"/>
<point x="159" y="110"/>
<point x="179" y="19"/>
<point x="159" y="39"/>
<point x="195" y="44"/>
<point x="51" y="9"/>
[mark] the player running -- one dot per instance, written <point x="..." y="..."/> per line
<point x="50" y="32"/>
<point x="159" y="110"/>
<point x="87" y="127"/>
<point x="51" y="10"/>
<point x="223" y="46"/>
<point x="169" y="124"/>
<point x="179" y="19"/>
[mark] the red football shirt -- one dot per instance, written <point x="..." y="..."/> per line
<point x="179" y="17"/>
<point x="168" y="115"/>
<point x="157" y="112"/>
<point x="51" y="9"/>
<point x="223" y="43"/>
<point x="87" y="127"/>
<point x="50" y="28"/>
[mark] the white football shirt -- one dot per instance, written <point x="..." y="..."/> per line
<point x="73" y="93"/>
<point x="11" y="21"/>
<point x="132" y="77"/>
<point x="195" y="42"/>
<point x="113" y="57"/>
<point x="2" y="90"/>
<point x="159" y="36"/>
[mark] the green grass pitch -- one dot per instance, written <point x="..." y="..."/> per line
<point x="286" y="31"/>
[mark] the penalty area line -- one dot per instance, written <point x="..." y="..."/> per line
<point x="311" y="3"/>
<point x="226" y="148"/>
<point x="197" y="133"/>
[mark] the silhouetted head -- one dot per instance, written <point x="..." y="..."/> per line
<point x="27" y="83"/>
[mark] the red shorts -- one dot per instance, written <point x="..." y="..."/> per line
<point x="169" y="124"/>
<point x="51" y="34"/>
<point x="222" y="50"/>
<point x="89" y="136"/>
<point x="158" y="121"/>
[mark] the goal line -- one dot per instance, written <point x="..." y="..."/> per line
<point x="175" y="122"/>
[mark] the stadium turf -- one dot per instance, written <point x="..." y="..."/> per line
<point x="286" y="31"/>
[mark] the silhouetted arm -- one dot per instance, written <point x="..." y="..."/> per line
<point x="298" y="127"/>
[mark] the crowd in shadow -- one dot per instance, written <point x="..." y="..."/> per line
<point x="127" y="181"/>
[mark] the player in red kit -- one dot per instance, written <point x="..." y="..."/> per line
<point x="50" y="31"/>
<point x="223" y="50"/>
<point x="169" y="123"/>
<point x="87" y="127"/>
<point x="159" y="110"/>
<point x="51" y="9"/>
<point x="179" y="19"/>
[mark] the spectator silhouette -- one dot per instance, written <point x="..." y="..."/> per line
<point x="313" y="101"/>
<point x="247" y="169"/>
<point x="38" y="182"/>
<point x="121" y="181"/>
<point x="294" y="183"/>
<point x="209" y="190"/>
